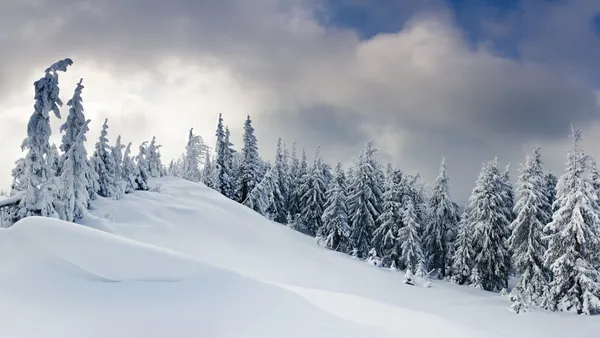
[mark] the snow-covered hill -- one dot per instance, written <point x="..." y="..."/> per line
<point x="187" y="262"/>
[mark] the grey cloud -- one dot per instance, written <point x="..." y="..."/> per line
<point x="427" y="90"/>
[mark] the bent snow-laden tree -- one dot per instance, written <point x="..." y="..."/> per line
<point x="195" y="151"/>
<point x="259" y="198"/>
<point x="38" y="200"/>
<point x="574" y="240"/>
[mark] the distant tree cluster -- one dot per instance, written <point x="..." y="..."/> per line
<point x="545" y="230"/>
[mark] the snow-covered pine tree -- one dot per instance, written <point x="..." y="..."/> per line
<point x="294" y="168"/>
<point x="440" y="232"/>
<point x="71" y="128"/>
<point x="313" y="198"/>
<point x="75" y="120"/>
<point x="154" y="159"/>
<point x="208" y="171"/>
<point x="117" y="153"/>
<point x="364" y="200"/>
<point x="74" y="194"/>
<point x="327" y="174"/>
<point x="412" y="252"/>
<point x="551" y="182"/>
<point x="53" y="159"/>
<point x="222" y="179"/>
<point x="299" y="185"/>
<point x="38" y="200"/>
<point x="462" y="259"/>
<point x="525" y="242"/>
<point x="249" y="173"/>
<point x="19" y="175"/>
<point x="385" y="237"/>
<point x="142" y="168"/>
<point x="130" y="171"/>
<point x="278" y="208"/>
<point x="335" y="230"/>
<point x="489" y="223"/>
<point x="509" y="196"/>
<point x="574" y="239"/>
<point x="287" y="179"/>
<point x="18" y="186"/>
<point x="228" y="184"/>
<point x="104" y="165"/>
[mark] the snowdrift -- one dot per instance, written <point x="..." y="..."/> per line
<point x="230" y="273"/>
<point x="37" y="245"/>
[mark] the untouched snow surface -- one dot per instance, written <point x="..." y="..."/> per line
<point x="187" y="262"/>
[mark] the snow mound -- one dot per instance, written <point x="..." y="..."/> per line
<point x="37" y="246"/>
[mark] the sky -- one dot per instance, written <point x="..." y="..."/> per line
<point x="468" y="80"/>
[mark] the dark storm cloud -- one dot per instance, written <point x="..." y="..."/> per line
<point x="338" y="132"/>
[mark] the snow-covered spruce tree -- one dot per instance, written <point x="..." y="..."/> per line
<point x="142" y="168"/>
<point x="550" y="182"/>
<point x="74" y="194"/>
<point x="364" y="200"/>
<point x="19" y="175"/>
<point x="509" y="196"/>
<point x="313" y="199"/>
<point x="294" y="169"/>
<point x="154" y="159"/>
<point x="249" y="173"/>
<point x="53" y="159"/>
<point x="104" y="165"/>
<point x="385" y="237"/>
<point x="278" y="208"/>
<point x="412" y="252"/>
<point x="71" y="128"/>
<point x="228" y="185"/>
<point x="462" y="259"/>
<point x="299" y="185"/>
<point x="414" y="187"/>
<point x="574" y="240"/>
<point x="130" y="172"/>
<point x="208" y="171"/>
<point x="525" y="242"/>
<point x="440" y="232"/>
<point x="327" y="173"/>
<point x="18" y="186"/>
<point x="38" y="200"/>
<point x="117" y="154"/>
<point x="488" y="221"/>
<point x="335" y="229"/>
<point x="223" y="177"/>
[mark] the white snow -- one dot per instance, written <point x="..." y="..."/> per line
<point x="187" y="262"/>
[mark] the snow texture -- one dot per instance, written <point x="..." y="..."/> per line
<point x="219" y="269"/>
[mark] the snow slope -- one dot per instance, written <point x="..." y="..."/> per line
<point x="186" y="262"/>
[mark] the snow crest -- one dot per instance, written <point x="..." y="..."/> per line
<point x="36" y="246"/>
